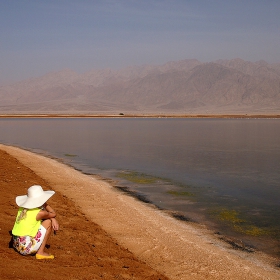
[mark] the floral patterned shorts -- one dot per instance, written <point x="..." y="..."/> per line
<point x="27" y="245"/>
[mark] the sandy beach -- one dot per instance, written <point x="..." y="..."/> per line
<point x="106" y="234"/>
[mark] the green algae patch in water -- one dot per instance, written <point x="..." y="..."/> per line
<point x="136" y="177"/>
<point x="251" y="230"/>
<point x="231" y="216"/>
<point x="234" y="220"/>
<point x="180" y="194"/>
<point x="70" y="155"/>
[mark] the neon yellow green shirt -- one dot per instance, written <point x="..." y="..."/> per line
<point x="28" y="225"/>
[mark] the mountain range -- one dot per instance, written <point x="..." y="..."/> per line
<point x="178" y="87"/>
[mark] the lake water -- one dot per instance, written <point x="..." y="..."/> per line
<point x="221" y="172"/>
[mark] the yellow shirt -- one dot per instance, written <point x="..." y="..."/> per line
<point x="28" y="225"/>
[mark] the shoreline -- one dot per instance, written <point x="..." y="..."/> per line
<point x="82" y="249"/>
<point x="216" y="116"/>
<point x="235" y="241"/>
<point x="174" y="248"/>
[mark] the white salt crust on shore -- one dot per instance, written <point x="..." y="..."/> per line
<point x="177" y="249"/>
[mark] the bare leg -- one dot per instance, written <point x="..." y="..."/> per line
<point x="47" y="224"/>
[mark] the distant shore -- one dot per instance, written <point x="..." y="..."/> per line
<point x="217" y="116"/>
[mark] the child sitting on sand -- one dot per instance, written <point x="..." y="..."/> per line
<point x="34" y="223"/>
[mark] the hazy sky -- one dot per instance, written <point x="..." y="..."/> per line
<point x="40" y="36"/>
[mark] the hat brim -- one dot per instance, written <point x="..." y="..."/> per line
<point x="29" y="203"/>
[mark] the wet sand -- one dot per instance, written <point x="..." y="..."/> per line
<point x="157" y="246"/>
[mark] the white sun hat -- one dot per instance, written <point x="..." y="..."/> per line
<point x="35" y="197"/>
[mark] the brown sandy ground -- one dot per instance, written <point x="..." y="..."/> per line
<point x="83" y="249"/>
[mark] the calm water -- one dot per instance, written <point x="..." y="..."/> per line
<point x="223" y="172"/>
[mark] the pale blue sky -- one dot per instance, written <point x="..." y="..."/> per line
<point x="40" y="36"/>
